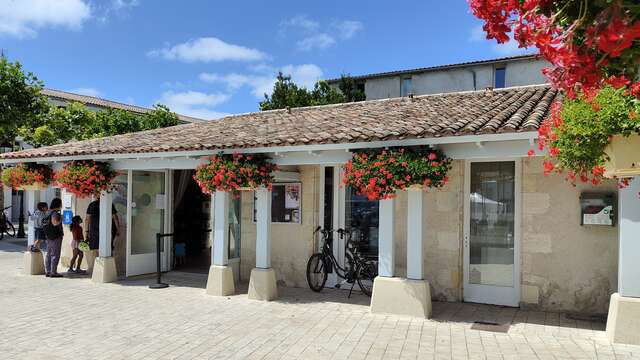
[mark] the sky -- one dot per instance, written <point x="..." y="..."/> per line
<point x="211" y="58"/>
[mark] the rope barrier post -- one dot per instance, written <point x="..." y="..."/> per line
<point x="159" y="284"/>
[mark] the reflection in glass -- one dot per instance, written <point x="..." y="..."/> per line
<point x="361" y="218"/>
<point x="234" y="226"/>
<point x="147" y="210"/>
<point x="491" y="231"/>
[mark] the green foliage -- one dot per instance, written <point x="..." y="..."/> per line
<point x="286" y="93"/>
<point x="20" y="99"/>
<point x="577" y="139"/>
<point x="76" y="122"/>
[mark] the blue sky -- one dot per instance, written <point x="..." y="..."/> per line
<point x="210" y="58"/>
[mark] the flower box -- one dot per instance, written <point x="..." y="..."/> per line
<point x="624" y="157"/>
<point x="34" y="186"/>
<point x="27" y="176"/>
<point x="236" y="172"/>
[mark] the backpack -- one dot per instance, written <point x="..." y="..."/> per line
<point x="51" y="232"/>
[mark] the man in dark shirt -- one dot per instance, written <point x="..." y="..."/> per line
<point x="92" y="229"/>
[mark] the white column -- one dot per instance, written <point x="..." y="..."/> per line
<point x="414" y="234"/>
<point x="629" y="238"/>
<point x="220" y="228"/>
<point x="263" y="228"/>
<point x="106" y="202"/>
<point x="386" y="260"/>
<point x="30" y="204"/>
<point x="8" y="199"/>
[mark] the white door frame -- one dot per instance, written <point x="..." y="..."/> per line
<point x="497" y="295"/>
<point x="168" y="223"/>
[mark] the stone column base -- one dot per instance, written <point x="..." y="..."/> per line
<point x="33" y="263"/>
<point x="623" y="322"/>
<point x="220" y="281"/>
<point x="262" y="285"/>
<point x="400" y="296"/>
<point x="104" y="270"/>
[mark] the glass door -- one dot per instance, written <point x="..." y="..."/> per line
<point x="491" y="244"/>
<point x="147" y="205"/>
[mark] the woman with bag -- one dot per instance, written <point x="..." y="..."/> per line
<point x="52" y="226"/>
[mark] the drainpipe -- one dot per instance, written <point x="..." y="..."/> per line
<point x="473" y="73"/>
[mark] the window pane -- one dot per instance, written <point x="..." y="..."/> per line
<point x="492" y="203"/>
<point x="361" y="220"/>
<point x="234" y="227"/>
<point x="500" y="77"/>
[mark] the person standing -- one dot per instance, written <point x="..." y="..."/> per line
<point x="76" y="232"/>
<point x="52" y="226"/>
<point x="92" y="230"/>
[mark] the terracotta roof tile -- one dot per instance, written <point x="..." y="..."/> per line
<point x="452" y="114"/>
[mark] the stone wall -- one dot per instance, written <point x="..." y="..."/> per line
<point x="565" y="266"/>
<point x="291" y="244"/>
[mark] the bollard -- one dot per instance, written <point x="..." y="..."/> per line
<point x="159" y="284"/>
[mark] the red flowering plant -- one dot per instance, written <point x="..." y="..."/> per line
<point x="224" y="172"/>
<point x="576" y="135"/>
<point x="27" y="175"/>
<point x="593" y="48"/>
<point x="379" y="173"/>
<point x="85" y="178"/>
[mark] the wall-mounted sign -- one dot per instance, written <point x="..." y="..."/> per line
<point x="67" y="216"/>
<point x="597" y="209"/>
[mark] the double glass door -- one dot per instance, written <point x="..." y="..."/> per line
<point x="491" y="243"/>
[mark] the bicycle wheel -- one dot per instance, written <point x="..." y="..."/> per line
<point x="316" y="272"/>
<point x="9" y="229"/>
<point x="365" y="275"/>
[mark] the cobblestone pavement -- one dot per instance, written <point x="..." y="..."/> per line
<point x="72" y="318"/>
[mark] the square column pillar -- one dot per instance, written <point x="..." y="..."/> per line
<point x="414" y="234"/>
<point x="104" y="266"/>
<point x="394" y="295"/>
<point x="386" y="229"/>
<point x="30" y="199"/>
<point x="220" y="281"/>
<point x="262" y="284"/>
<point x="624" y="309"/>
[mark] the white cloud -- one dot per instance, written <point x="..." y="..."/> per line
<point x="301" y="22"/>
<point x="22" y="18"/>
<point x="124" y="4"/>
<point x="194" y="103"/>
<point x="347" y="28"/>
<point x="88" y="91"/>
<point x="208" y="49"/>
<point x="312" y="35"/>
<point x="317" y="41"/>
<point x="261" y="81"/>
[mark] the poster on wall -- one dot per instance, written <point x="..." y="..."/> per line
<point x="292" y="196"/>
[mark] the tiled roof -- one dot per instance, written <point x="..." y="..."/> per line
<point x="96" y="101"/>
<point x="438" y="67"/>
<point x="466" y="113"/>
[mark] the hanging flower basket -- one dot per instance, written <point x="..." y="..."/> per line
<point x="624" y="157"/>
<point x="27" y="176"/>
<point x="85" y="178"/>
<point x="224" y="172"/>
<point x="379" y="173"/>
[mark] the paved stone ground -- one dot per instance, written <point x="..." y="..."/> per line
<point x="72" y="318"/>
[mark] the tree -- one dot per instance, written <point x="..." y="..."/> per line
<point x="287" y="94"/>
<point x="20" y="100"/>
<point x="349" y="89"/>
<point x="76" y="122"/>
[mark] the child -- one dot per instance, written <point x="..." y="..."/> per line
<point x="38" y="216"/>
<point x="76" y="232"/>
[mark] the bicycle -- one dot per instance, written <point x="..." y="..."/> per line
<point x="358" y="269"/>
<point x="6" y="227"/>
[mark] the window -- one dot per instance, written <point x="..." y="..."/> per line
<point x="500" y="77"/>
<point x="361" y="219"/>
<point x="406" y="87"/>
<point x="285" y="203"/>
<point x="235" y="230"/>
